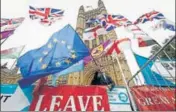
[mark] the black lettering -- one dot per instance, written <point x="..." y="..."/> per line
<point x="167" y="66"/>
<point x="1" y="97"/>
<point x="173" y="65"/>
<point x="6" y="98"/>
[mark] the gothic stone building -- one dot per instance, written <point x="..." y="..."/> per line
<point x="109" y="64"/>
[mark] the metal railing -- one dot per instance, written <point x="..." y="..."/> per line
<point x="157" y="58"/>
<point x="164" y="70"/>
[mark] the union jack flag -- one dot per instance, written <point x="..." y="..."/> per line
<point x="10" y="24"/>
<point x="32" y="11"/>
<point x="92" y="20"/>
<point x="5" y="21"/>
<point x="149" y="17"/>
<point x="46" y="15"/>
<point x="109" y="22"/>
<point x="135" y="30"/>
<point x="165" y="24"/>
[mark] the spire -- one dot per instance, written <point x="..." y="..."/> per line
<point x="81" y="9"/>
<point x="100" y="3"/>
<point x="80" y="21"/>
<point x="102" y="7"/>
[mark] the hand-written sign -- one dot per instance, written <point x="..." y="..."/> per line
<point x="5" y="97"/>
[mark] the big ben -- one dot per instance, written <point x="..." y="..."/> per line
<point x="107" y="62"/>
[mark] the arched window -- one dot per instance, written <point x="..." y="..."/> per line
<point x="100" y="80"/>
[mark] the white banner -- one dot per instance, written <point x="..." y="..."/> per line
<point x="119" y="100"/>
<point x="166" y="69"/>
<point x="13" y="98"/>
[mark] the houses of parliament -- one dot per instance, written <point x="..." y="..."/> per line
<point x="85" y="77"/>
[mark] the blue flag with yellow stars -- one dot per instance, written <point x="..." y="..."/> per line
<point x="62" y="50"/>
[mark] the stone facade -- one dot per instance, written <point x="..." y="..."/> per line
<point x="10" y="76"/>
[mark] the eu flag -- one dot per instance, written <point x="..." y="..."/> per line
<point x="62" y="50"/>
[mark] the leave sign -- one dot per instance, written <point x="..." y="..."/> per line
<point x="71" y="98"/>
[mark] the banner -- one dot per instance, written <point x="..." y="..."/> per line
<point x="6" y="92"/>
<point x="71" y="98"/>
<point x="165" y="68"/>
<point x="119" y="100"/>
<point x="14" y="102"/>
<point x="150" y="98"/>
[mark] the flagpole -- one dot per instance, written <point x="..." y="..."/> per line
<point x="4" y="40"/>
<point x="151" y="58"/>
<point x="93" y="59"/>
<point x="99" y="68"/>
<point x="155" y="41"/>
<point x="124" y="79"/>
<point x="17" y="58"/>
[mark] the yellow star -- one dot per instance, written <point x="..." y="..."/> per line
<point x="45" y="52"/>
<point x="73" y="56"/>
<point x="69" y="47"/>
<point x="63" y="42"/>
<point x="40" y="60"/>
<point x="58" y="64"/>
<point x="67" y="61"/>
<point x="49" y="45"/>
<point x="44" y="66"/>
<point x="55" y="40"/>
<point x="72" y="51"/>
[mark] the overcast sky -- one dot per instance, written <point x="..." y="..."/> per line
<point x="33" y="34"/>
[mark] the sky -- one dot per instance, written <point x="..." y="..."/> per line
<point x="33" y="35"/>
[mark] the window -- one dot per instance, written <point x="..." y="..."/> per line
<point x="87" y="43"/>
<point x="62" y="80"/>
<point x="94" y="43"/>
<point x="106" y="37"/>
<point x="101" y="39"/>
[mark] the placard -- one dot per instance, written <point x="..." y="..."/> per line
<point x="118" y="99"/>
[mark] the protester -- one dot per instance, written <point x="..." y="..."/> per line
<point x="100" y="78"/>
